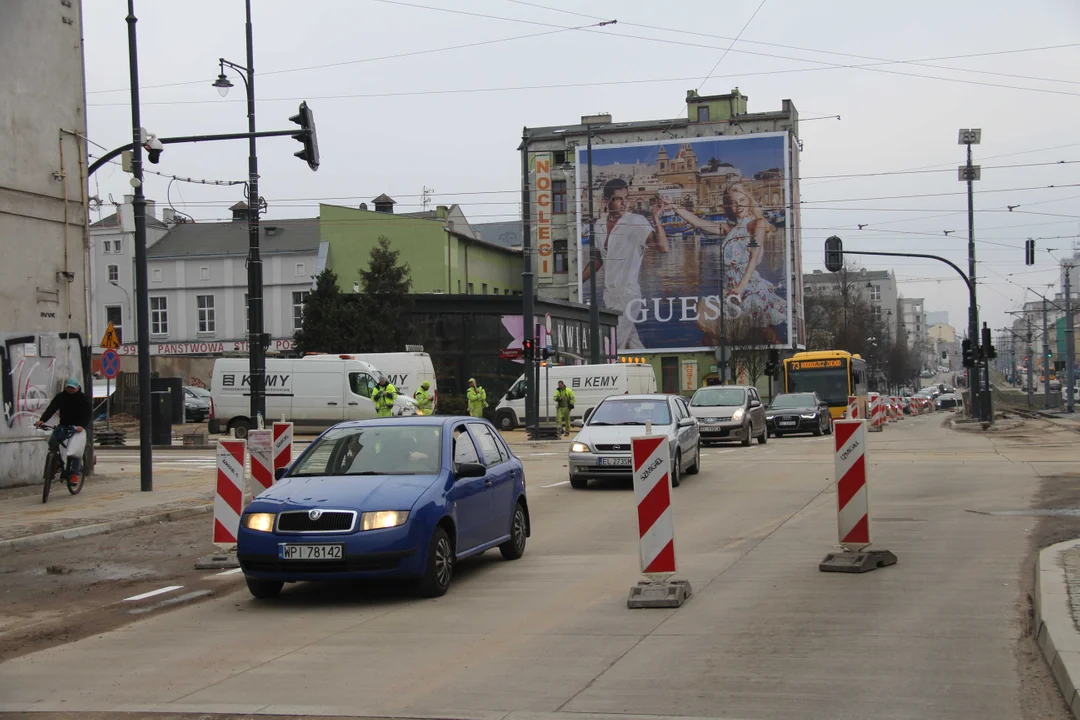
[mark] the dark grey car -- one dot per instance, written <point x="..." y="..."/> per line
<point x="798" y="413"/>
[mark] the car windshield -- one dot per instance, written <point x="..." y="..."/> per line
<point x="718" y="397"/>
<point x="374" y="450"/>
<point x="631" y="412"/>
<point x="794" y="400"/>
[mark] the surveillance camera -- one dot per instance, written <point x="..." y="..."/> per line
<point x="153" y="148"/>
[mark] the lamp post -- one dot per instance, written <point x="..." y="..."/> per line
<point x="970" y="173"/>
<point x="257" y="340"/>
<point x="126" y="295"/>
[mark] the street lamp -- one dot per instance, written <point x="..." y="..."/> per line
<point x="126" y="295"/>
<point x="257" y="340"/>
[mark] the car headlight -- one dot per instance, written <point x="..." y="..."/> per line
<point x="579" y="448"/>
<point x="262" y="522"/>
<point x="811" y="416"/>
<point x="738" y="415"/>
<point x="383" y="519"/>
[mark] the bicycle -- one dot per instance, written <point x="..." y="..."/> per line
<point x="62" y="459"/>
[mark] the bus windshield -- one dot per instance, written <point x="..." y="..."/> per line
<point x="831" y="385"/>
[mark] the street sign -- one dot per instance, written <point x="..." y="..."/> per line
<point x="110" y="364"/>
<point x="111" y="341"/>
<point x="547" y="324"/>
<point x="511" y="354"/>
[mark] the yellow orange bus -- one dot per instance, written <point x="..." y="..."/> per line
<point x="832" y="374"/>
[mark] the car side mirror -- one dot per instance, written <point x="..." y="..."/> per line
<point x="471" y="470"/>
<point x="755" y="403"/>
<point x="280" y="473"/>
<point x="687" y="422"/>
<point x="577" y="424"/>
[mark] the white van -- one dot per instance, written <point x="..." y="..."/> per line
<point x="405" y="370"/>
<point x="590" y="383"/>
<point x="311" y="395"/>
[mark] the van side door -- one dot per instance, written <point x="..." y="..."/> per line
<point x="358" y="388"/>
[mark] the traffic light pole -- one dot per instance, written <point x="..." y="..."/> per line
<point x="116" y="152"/>
<point x="1046" y="359"/>
<point x="973" y="307"/>
<point x="1070" y="348"/>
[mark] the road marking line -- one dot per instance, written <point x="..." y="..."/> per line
<point x="228" y="572"/>
<point x="564" y="482"/>
<point x="171" y="601"/>
<point x="152" y="593"/>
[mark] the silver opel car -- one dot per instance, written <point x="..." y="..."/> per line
<point x="602" y="447"/>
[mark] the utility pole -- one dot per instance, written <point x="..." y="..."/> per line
<point x="527" y="313"/>
<point x="594" y="307"/>
<point x="1030" y="351"/>
<point x="1070" y="349"/>
<point x="142" y="298"/>
<point x="1046" y="359"/>
<point x="970" y="173"/>
<point x="257" y="339"/>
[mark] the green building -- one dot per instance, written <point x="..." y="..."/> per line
<point x="444" y="253"/>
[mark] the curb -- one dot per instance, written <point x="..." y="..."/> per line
<point x="1055" y="632"/>
<point x="32" y="541"/>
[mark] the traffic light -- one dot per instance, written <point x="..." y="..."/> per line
<point x="306" y="120"/>
<point x="546" y="353"/>
<point x="965" y="354"/>
<point x="527" y="349"/>
<point x="1029" y="252"/>
<point x="834" y="254"/>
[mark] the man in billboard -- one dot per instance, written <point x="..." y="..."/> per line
<point x="621" y="239"/>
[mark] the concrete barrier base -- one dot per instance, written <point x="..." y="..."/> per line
<point x="668" y="594"/>
<point x="857" y="562"/>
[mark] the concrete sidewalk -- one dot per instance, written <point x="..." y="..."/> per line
<point x="1057" y="611"/>
<point x="106" y="503"/>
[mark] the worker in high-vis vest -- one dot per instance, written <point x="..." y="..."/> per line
<point x="477" y="398"/>
<point x="564" y="403"/>
<point x="384" y="395"/>
<point x="424" y="401"/>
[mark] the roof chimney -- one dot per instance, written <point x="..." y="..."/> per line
<point x="363" y="206"/>
<point x="441" y="212"/>
<point x="168" y="216"/>
<point x="384" y="204"/>
<point x="239" y="212"/>
<point x="601" y="119"/>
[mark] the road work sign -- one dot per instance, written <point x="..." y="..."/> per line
<point x="111" y="340"/>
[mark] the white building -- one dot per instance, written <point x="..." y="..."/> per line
<point x="43" y="217"/>
<point x="877" y="287"/>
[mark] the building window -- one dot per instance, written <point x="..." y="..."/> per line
<point x="159" y="316"/>
<point x="558" y="196"/>
<point x="703" y="113"/>
<point x="114" y="273"/>
<point x="471" y="289"/>
<point x="494" y="291"/>
<point x="106" y="247"/>
<point x="558" y="157"/>
<point x="669" y="374"/>
<point x="205" y="307"/>
<point x="117" y="245"/>
<point x="157" y="274"/>
<point x="298" y="300"/>
<point x="299" y="269"/>
<point x="875" y="313"/>
<point x="115" y="314"/>
<point x="875" y="293"/>
<point x="204" y="273"/>
<point x="560" y="257"/>
<point x="483" y="288"/>
<point x="507" y="291"/>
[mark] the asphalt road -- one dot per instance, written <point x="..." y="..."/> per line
<point x="942" y="634"/>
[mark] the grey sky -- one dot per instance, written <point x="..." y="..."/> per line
<point x="391" y="125"/>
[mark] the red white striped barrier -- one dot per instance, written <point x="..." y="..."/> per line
<point x="261" y="450"/>
<point x="852" y="412"/>
<point x="652" y="490"/>
<point x="876" y="412"/>
<point x="283" y="438"/>
<point x="229" y="496"/>
<point x="897" y="411"/>
<point x="852" y="499"/>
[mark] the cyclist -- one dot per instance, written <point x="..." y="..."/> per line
<point x="74" y="409"/>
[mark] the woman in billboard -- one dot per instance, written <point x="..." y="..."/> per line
<point x="745" y="291"/>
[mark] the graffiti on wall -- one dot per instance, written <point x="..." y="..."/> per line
<point x="35" y="379"/>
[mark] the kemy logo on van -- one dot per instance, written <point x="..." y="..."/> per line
<point x="596" y="381"/>
<point x="276" y="384"/>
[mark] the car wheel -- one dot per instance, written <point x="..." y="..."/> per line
<point x="514" y="548"/>
<point x="241" y="427"/>
<point x="264" y="589"/>
<point x="506" y="422"/>
<point x="676" y="470"/>
<point x="440" y="565"/>
<point x="696" y="467"/>
<point x="818" y="432"/>
<point x="578" y="483"/>
<point x="763" y="437"/>
<point x="746" y="435"/>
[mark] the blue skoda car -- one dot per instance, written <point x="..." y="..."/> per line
<point x="402" y="497"/>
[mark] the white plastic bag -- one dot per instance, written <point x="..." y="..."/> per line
<point x="75" y="447"/>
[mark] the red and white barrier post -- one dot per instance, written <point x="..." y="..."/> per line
<point x="283" y="439"/>
<point x="853" y="504"/>
<point x="656" y="526"/>
<point x="852" y="412"/>
<point x="876" y="412"/>
<point x="261" y="450"/>
<point x="229" y="497"/>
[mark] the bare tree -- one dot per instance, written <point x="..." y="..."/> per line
<point x="748" y="346"/>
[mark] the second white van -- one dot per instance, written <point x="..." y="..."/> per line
<point x="590" y="383"/>
<point x="405" y="370"/>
